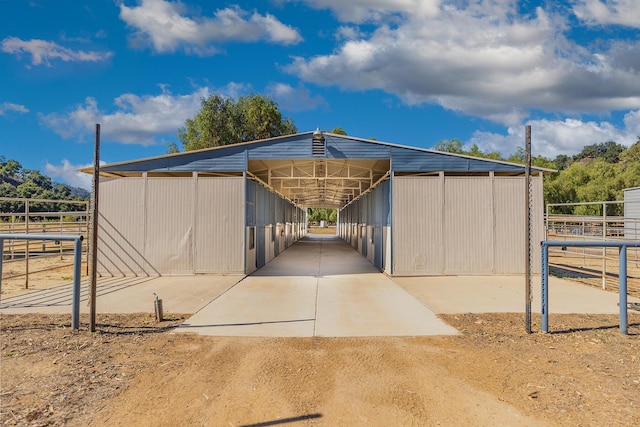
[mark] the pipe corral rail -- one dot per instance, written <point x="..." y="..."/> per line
<point x="622" y="275"/>
<point x="77" y="262"/>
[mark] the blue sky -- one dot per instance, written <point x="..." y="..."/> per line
<point x="411" y="72"/>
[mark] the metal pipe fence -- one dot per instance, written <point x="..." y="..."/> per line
<point x="599" y="225"/>
<point x="622" y="276"/>
<point x="77" y="262"/>
<point x="25" y="216"/>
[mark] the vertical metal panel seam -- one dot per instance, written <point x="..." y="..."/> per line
<point x="244" y="215"/>
<point x="441" y="243"/>
<point x="145" y="195"/>
<point x="493" y="222"/>
<point x="194" y="224"/>
<point x="391" y="258"/>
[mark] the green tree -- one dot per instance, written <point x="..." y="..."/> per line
<point x="222" y="121"/>
<point x="338" y="131"/>
<point x="449" y="146"/>
<point x="9" y="168"/>
<point x="323" y="214"/>
<point x="608" y="151"/>
<point x="631" y="154"/>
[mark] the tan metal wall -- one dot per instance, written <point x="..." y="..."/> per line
<point x="151" y="226"/>
<point x="120" y="234"/>
<point x="219" y="224"/>
<point x="510" y="214"/>
<point x="468" y="225"/>
<point x="417" y="225"/>
<point x="169" y="222"/>
<point x="462" y="225"/>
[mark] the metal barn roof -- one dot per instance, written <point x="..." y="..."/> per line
<point x="313" y="168"/>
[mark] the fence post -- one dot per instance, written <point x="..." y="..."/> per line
<point x="622" y="276"/>
<point x="604" y="248"/>
<point x="26" y="251"/>
<point x="544" y="303"/>
<point x="1" y="259"/>
<point x="77" y="262"/>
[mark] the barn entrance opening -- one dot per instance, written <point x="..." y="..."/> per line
<point x="298" y="185"/>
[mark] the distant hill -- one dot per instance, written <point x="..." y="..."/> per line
<point x="18" y="182"/>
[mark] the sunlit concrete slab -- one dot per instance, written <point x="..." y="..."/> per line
<point x="260" y="306"/>
<point x="372" y="305"/>
<point x="179" y="294"/>
<point x="506" y="294"/>
<point x="318" y="287"/>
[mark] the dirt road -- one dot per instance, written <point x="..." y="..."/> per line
<point x="134" y="372"/>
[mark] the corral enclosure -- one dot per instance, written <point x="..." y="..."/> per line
<point x="595" y="266"/>
<point x="41" y="216"/>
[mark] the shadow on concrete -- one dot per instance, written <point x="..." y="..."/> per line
<point x="63" y="295"/>
<point x="284" y="421"/>
<point x="186" y="325"/>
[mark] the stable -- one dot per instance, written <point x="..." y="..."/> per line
<point x="232" y="209"/>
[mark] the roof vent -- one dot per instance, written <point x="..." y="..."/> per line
<point x="318" y="144"/>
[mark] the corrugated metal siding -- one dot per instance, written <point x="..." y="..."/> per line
<point x="233" y="158"/>
<point x="408" y="160"/>
<point x="226" y="159"/>
<point x="509" y="249"/>
<point x="219" y="225"/>
<point x="468" y="225"/>
<point x="632" y="213"/>
<point x="121" y="232"/>
<point x="169" y="220"/>
<point x="482" y="225"/>
<point x="361" y="224"/>
<point x="417" y="225"/>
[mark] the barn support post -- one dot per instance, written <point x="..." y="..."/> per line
<point x="94" y="231"/>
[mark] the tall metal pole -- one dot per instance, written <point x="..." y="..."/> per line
<point x="26" y="250"/>
<point x="527" y="216"/>
<point x="95" y="186"/>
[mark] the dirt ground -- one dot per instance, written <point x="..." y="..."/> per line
<point x="133" y="371"/>
<point x="45" y="272"/>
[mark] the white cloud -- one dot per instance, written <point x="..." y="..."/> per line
<point x="43" y="52"/>
<point x="294" y="98"/>
<point x="550" y="138"/>
<point x="137" y="119"/>
<point x="167" y="27"/>
<point x="373" y="10"/>
<point x="8" y="106"/>
<point x="69" y="174"/>
<point x="479" y="57"/>
<point x="602" y="12"/>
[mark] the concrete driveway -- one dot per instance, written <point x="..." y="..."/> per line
<point x="319" y="286"/>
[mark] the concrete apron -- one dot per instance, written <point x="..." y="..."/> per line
<point x="320" y="286"/>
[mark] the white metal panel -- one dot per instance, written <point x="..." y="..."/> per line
<point x="417" y="225"/>
<point x="468" y="225"/>
<point x="219" y="225"/>
<point x="510" y="222"/>
<point x="632" y="213"/>
<point x="250" y="248"/>
<point x="169" y="217"/>
<point x="121" y="231"/>
<point x="386" y="244"/>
